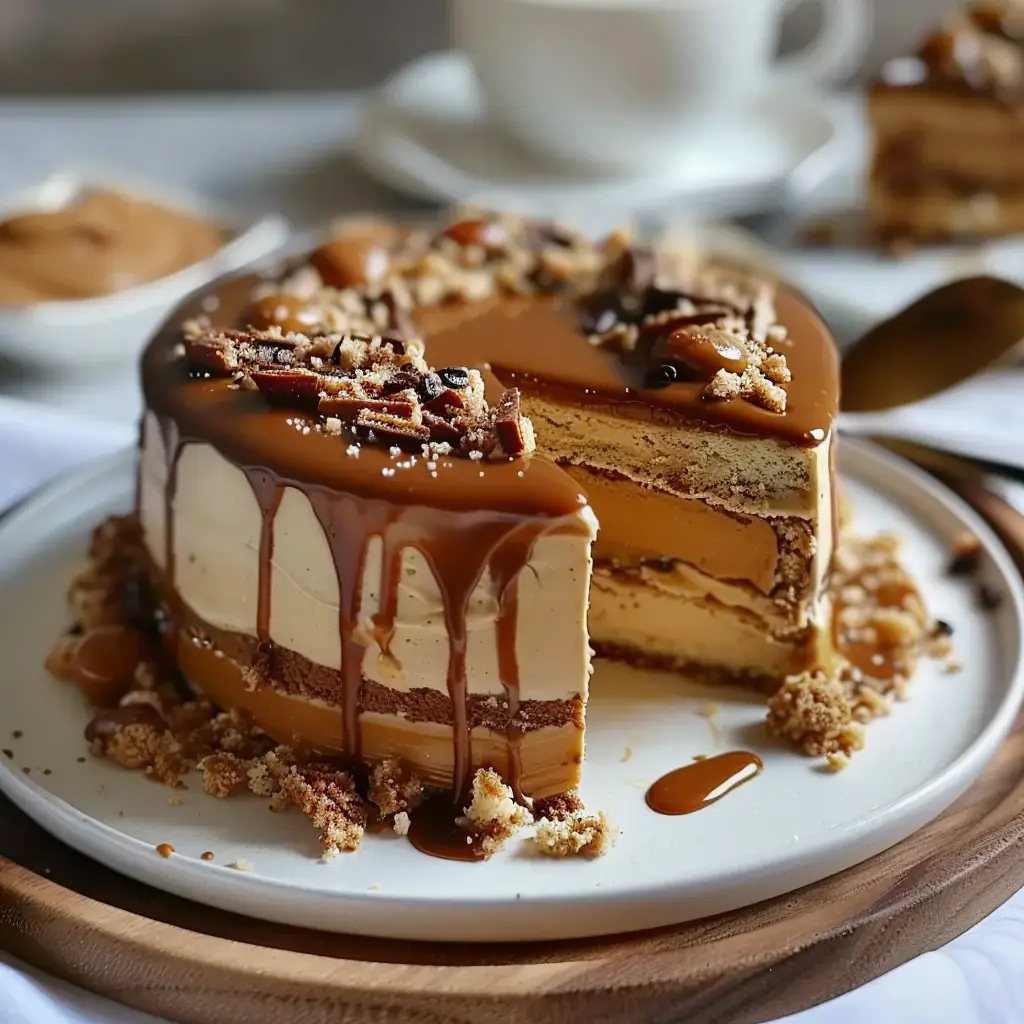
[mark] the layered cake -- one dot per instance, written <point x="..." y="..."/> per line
<point x="394" y="495"/>
<point x="380" y="546"/>
<point x="949" y="142"/>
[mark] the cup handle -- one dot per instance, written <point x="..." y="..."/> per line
<point x="838" y="48"/>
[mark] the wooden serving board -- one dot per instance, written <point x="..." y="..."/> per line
<point x="70" y="916"/>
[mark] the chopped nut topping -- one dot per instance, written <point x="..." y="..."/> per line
<point x="379" y="384"/>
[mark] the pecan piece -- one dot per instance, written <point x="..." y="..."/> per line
<point x="442" y="429"/>
<point x="393" y="429"/>
<point x="506" y="423"/>
<point x="288" y="387"/>
<point x="347" y="407"/>
<point x="209" y="356"/>
<point x="490" y="235"/>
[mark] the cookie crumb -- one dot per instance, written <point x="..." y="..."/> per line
<point x="394" y="787"/>
<point x="492" y="816"/>
<point x="579" y="834"/>
<point x="402" y="823"/>
<point x="206" y="855"/>
<point x="965" y="558"/>
<point x="811" y="710"/>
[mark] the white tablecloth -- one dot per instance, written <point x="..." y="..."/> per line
<point x="222" y="146"/>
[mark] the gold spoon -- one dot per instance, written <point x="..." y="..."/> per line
<point x="942" y="339"/>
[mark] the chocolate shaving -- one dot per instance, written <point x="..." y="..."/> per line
<point x="431" y="387"/>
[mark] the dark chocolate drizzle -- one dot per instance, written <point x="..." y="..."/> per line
<point x="268" y="494"/>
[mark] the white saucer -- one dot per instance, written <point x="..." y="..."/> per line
<point x="787" y="828"/>
<point x="426" y="133"/>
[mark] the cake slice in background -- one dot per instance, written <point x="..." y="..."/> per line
<point x="948" y="130"/>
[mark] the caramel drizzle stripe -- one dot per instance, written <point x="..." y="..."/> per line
<point x="268" y="492"/>
<point x="506" y="565"/>
<point x="173" y="446"/>
<point x="458" y="548"/>
<point x="348" y="524"/>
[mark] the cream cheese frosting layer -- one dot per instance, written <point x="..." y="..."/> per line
<point x="217" y="526"/>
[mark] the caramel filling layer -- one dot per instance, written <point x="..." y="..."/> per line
<point x="678" y="632"/>
<point x="639" y="523"/>
<point x="548" y="756"/>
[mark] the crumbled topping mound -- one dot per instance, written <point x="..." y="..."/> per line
<point x="566" y="829"/>
<point x="379" y="387"/>
<point x="493" y="816"/>
<point x="577" y="834"/>
<point x="882" y="629"/>
<point x="812" y="712"/>
<point x="329" y="799"/>
<point x="480" y="254"/>
<point x="394" y="787"/>
<point x="326" y="795"/>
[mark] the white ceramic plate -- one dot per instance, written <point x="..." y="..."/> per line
<point x="112" y="328"/>
<point x="791" y="826"/>
<point x="427" y="134"/>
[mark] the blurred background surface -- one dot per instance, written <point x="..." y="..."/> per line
<point x="110" y="46"/>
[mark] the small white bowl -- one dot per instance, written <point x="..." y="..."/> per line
<point x="90" y="332"/>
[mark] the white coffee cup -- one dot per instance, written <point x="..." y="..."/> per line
<point x="625" y="83"/>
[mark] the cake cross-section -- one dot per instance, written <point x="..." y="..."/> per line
<point x="371" y="483"/>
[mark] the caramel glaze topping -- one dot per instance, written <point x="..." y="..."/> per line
<point x="467" y="516"/>
<point x="535" y="344"/>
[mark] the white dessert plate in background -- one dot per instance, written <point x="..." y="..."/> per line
<point x="791" y="826"/>
<point x="110" y="328"/>
<point x="426" y="133"/>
